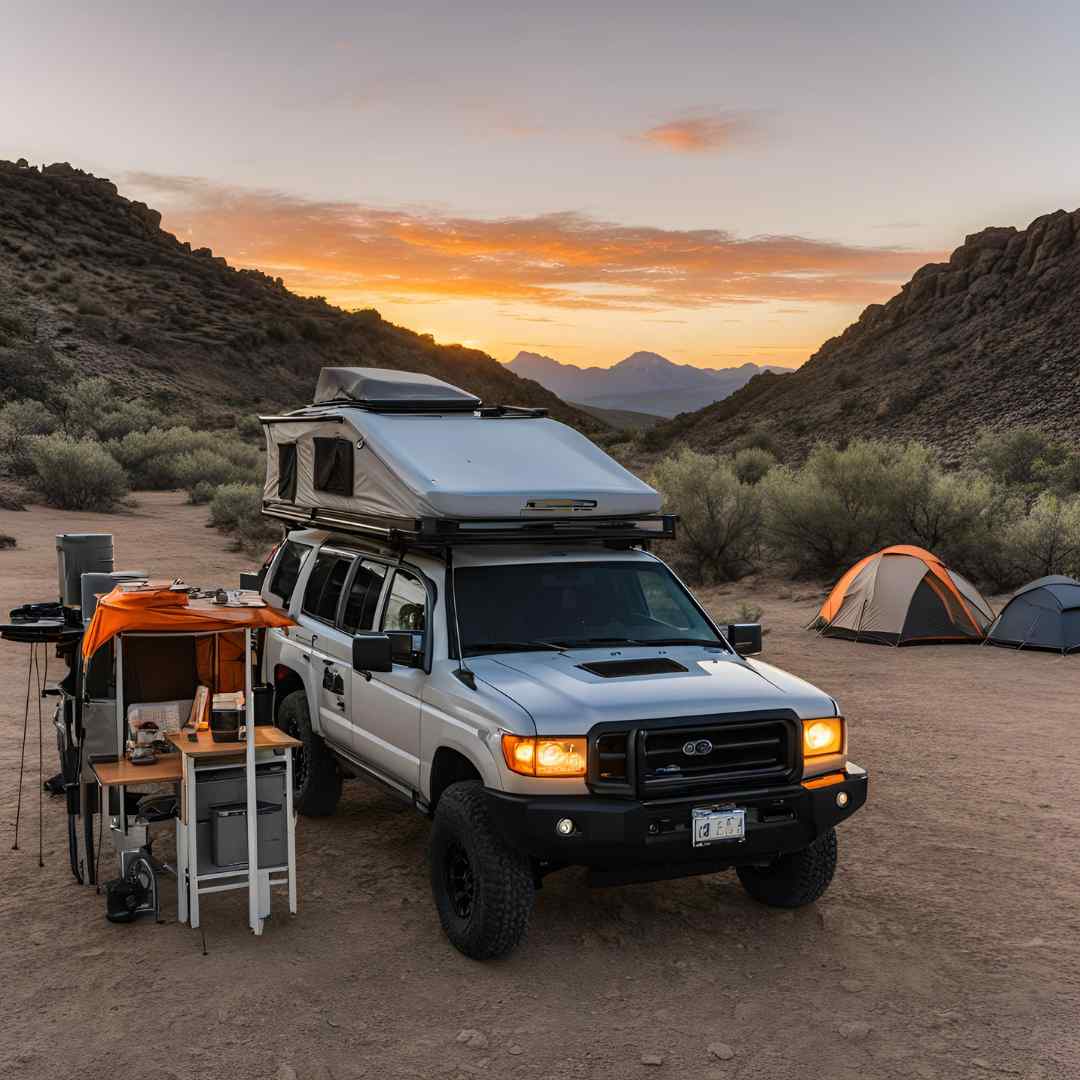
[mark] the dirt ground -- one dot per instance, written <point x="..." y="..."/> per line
<point x="948" y="945"/>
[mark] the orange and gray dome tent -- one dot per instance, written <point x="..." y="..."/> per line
<point x="904" y="595"/>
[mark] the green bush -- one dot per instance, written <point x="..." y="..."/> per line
<point x="77" y="474"/>
<point x="161" y="459"/>
<point x="92" y="407"/>
<point x="19" y="422"/>
<point x="248" y="426"/>
<point x="719" y="527"/>
<point x="1046" y="540"/>
<point x="752" y="464"/>
<point x="236" y="509"/>
<point x="1013" y="456"/>
<point x="821" y="518"/>
<point x="201" y="470"/>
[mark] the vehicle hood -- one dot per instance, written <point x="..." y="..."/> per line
<point x="564" y="699"/>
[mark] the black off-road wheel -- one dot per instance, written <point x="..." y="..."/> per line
<point x="796" y="879"/>
<point x="483" y="890"/>
<point x="316" y="776"/>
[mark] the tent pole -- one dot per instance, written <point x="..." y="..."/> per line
<point x="254" y="916"/>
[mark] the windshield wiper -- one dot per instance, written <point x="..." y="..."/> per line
<point x="708" y="642"/>
<point x="509" y="646"/>
<point x="576" y="643"/>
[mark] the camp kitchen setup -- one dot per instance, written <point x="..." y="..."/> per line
<point x="159" y="694"/>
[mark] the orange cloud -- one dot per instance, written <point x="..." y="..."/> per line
<point x="357" y="255"/>
<point x="698" y="134"/>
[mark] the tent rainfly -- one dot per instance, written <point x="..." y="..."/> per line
<point x="386" y="444"/>
<point x="1044" y="614"/>
<point x="904" y="595"/>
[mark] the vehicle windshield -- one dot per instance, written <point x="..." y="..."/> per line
<point x="549" y="605"/>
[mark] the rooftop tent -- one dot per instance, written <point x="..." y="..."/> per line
<point x="1044" y="614"/>
<point x="904" y="595"/>
<point x="397" y="445"/>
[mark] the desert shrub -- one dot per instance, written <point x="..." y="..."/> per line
<point x="1046" y="540"/>
<point x="77" y="474"/>
<point x="759" y="438"/>
<point x="236" y="509"/>
<point x="201" y="470"/>
<point x="820" y="518"/>
<point x="744" y="611"/>
<point x="92" y="407"/>
<point x="19" y="422"/>
<point x="164" y="458"/>
<point x="1059" y="472"/>
<point x="752" y="464"/>
<point x="719" y="517"/>
<point x="248" y="426"/>
<point x="1013" y="456"/>
<point x="7" y="541"/>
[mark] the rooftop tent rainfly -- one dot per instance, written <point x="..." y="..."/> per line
<point x="397" y="447"/>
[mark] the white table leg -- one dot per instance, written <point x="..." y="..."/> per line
<point x="181" y="871"/>
<point x="290" y="830"/>
<point x="191" y="854"/>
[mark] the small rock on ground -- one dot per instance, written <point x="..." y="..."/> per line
<point x="472" y="1038"/>
<point x="854" y="1029"/>
<point x="652" y="1059"/>
<point x="721" y="1051"/>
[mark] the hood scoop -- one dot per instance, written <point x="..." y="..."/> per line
<point x="621" y="669"/>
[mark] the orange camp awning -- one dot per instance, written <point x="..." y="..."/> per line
<point x="164" y="611"/>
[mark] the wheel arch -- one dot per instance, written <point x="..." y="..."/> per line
<point x="449" y="766"/>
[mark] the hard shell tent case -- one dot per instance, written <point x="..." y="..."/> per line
<point x="415" y="461"/>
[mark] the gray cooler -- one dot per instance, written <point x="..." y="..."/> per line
<point x="221" y="817"/>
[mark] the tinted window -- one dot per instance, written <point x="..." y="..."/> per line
<point x="334" y="466"/>
<point x="363" y="600"/>
<point x="325" y="585"/>
<point x="501" y="608"/>
<point x="286" y="483"/>
<point x="288" y="570"/>
<point x="406" y="606"/>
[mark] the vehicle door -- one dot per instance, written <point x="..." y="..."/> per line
<point x="331" y="648"/>
<point x="278" y="590"/>
<point x="386" y="707"/>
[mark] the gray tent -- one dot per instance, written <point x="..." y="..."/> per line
<point x="1044" y="614"/>
<point x="385" y="444"/>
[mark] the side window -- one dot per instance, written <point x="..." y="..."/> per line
<point x="334" y="466"/>
<point x="406" y="606"/>
<point x="363" y="599"/>
<point x="286" y="483"/>
<point x="324" y="586"/>
<point x="288" y="569"/>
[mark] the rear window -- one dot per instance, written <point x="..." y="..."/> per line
<point x="288" y="570"/>
<point x="364" y="593"/>
<point x="334" y="466"/>
<point x="324" y="586"/>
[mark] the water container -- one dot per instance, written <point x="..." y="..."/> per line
<point x="97" y="584"/>
<point x="78" y="554"/>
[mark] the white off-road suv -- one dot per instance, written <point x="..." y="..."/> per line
<point x="549" y="705"/>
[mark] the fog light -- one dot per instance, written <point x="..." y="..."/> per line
<point x="841" y="799"/>
<point x="564" y="826"/>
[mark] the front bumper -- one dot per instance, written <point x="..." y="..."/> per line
<point x="627" y="840"/>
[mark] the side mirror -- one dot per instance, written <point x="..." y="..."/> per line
<point x="371" y="652"/>
<point x="745" y="638"/>
<point x="406" y="647"/>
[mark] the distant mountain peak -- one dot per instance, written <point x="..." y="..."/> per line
<point x="644" y="381"/>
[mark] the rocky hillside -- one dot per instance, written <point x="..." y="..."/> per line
<point x="91" y="284"/>
<point x="990" y="339"/>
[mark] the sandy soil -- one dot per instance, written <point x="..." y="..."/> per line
<point x="947" y="947"/>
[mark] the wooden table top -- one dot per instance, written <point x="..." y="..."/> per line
<point x="266" y="738"/>
<point x="167" y="769"/>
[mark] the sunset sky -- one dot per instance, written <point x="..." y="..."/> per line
<point x="716" y="182"/>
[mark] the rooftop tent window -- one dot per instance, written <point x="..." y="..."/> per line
<point x="287" y="472"/>
<point x="334" y="466"/>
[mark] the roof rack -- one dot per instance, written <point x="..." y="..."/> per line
<point x="435" y="532"/>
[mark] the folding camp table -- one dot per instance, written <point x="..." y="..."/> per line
<point x="123" y="615"/>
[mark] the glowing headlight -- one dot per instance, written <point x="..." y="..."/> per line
<point x="544" y="757"/>
<point x="823" y="736"/>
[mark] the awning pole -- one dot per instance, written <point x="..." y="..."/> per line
<point x="254" y="918"/>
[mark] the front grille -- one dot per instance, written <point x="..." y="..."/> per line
<point x="668" y="758"/>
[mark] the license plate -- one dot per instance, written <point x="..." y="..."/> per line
<point x="711" y="825"/>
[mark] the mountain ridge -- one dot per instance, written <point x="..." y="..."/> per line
<point x="988" y="340"/>
<point x="643" y="381"/>
<point x="90" y="284"/>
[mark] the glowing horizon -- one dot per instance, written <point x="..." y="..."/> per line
<point x="711" y="183"/>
